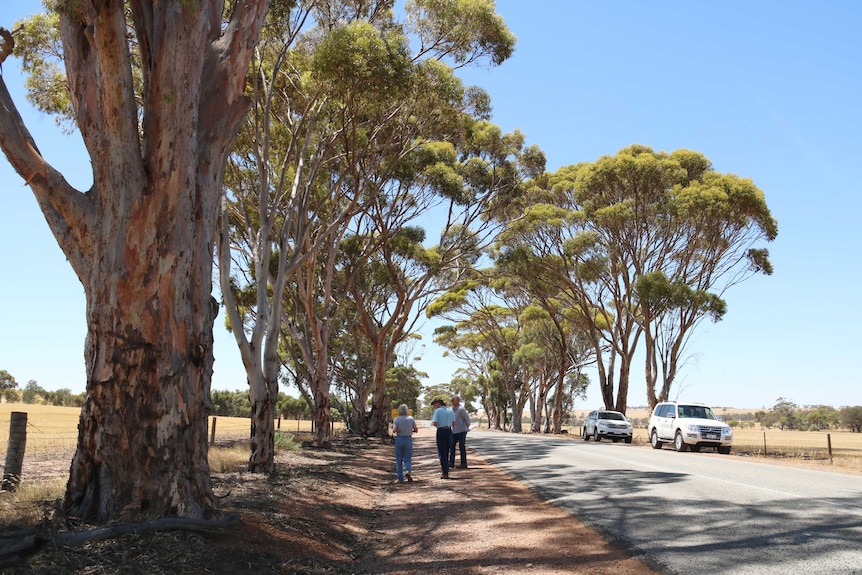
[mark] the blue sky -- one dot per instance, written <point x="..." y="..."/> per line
<point x="766" y="90"/>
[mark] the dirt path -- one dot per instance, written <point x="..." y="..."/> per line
<point x="339" y="511"/>
<point x="480" y="521"/>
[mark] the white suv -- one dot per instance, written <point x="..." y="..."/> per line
<point x="688" y="426"/>
<point x="608" y="424"/>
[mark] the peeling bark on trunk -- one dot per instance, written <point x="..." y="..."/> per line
<point x="262" y="439"/>
<point x="558" y="400"/>
<point x="322" y="420"/>
<point x="141" y="241"/>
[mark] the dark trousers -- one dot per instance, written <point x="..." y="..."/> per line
<point x="459" y="443"/>
<point x="444" y="444"/>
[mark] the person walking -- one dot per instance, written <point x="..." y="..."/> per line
<point x="460" y="427"/>
<point x="404" y="427"/>
<point x="442" y="420"/>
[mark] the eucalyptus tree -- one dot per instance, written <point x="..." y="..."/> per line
<point x="398" y="108"/>
<point x="7" y="381"/>
<point x="341" y="99"/>
<point x="554" y="344"/>
<point x="464" y="185"/>
<point x="487" y="324"/>
<point x="274" y="173"/>
<point x="466" y="348"/>
<point x="642" y="244"/>
<point x="550" y="321"/>
<point x="156" y="90"/>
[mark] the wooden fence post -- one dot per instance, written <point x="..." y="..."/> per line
<point x="212" y="431"/>
<point x="15" y="451"/>
<point x="764" y="443"/>
<point x="829" y="446"/>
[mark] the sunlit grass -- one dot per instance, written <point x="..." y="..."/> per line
<point x="28" y="504"/>
<point x="228" y="459"/>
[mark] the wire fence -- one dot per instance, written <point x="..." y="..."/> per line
<point x="837" y="446"/>
<point x="54" y="432"/>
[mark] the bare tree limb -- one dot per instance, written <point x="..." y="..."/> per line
<point x="14" y="550"/>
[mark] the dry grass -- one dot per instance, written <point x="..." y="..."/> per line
<point x="228" y="459"/>
<point x="54" y="430"/>
<point x="28" y="504"/>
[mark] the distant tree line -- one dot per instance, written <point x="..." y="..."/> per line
<point x="33" y="393"/>
<point x="787" y="415"/>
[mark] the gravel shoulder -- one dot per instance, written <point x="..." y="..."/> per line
<point x="340" y="511"/>
<point x="481" y="521"/>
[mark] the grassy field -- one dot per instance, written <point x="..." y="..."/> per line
<point x="52" y="429"/>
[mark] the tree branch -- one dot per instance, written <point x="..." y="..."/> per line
<point x="14" y="550"/>
<point x="67" y="211"/>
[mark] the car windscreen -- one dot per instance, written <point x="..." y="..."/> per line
<point x="612" y="415"/>
<point x="697" y="411"/>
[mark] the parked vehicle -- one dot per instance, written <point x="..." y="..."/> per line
<point x="688" y="426"/>
<point x="609" y="425"/>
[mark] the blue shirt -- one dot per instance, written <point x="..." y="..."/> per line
<point x="443" y="417"/>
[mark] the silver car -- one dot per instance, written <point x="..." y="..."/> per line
<point x="608" y="425"/>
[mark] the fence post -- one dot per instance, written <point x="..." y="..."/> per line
<point x="764" y="443"/>
<point x="212" y="431"/>
<point x="15" y="451"/>
<point x="829" y="446"/>
<point x="279" y="422"/>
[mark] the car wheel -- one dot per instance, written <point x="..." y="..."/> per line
<point x="586" y="437"/>
<point x="724" y="450"/>
<point x="678" y="443"/>
<point x="596" y="436"/>
<point x="653" y="439"/>
<point x="628" y="439"/>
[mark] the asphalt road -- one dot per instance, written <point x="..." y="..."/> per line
<point x="686" y="513"/>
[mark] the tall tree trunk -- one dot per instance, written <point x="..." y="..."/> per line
<point x="517" y="414"/>
<point x="322" y="420"/>
<point x="558" y="400"/>
<point x="263" y="396"/>
<point x="623" y="386"/>
<point x="381" y="411"/>
<point x="536" y="402"/>
<point x="141" y="240"/>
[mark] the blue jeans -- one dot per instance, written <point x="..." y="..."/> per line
<point x="444" y="444"/>
<point x="459" y="443"/>
<point x="403" y="455"/>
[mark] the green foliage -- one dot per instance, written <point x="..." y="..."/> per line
<point x="821" y="417"/>
<point x="656" y="292"/>
<point x="293" y="407"/>
<point x="38" y="44"/>
<point x="7" y="381"/>
<point x="360" y="59"/>
<point x="32" y="392"/>
<point x="230" y="403"/>
<point x="404" y="385"/>
<point x="437" y="391"/>
<point x="463" y="30"/>
<point x="286" y="442"/>
<point x="787" y="415"/>
<point x="851" y="418"/>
